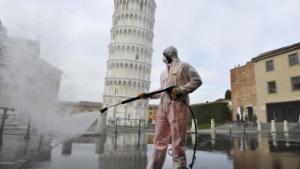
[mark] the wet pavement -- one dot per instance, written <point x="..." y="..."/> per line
<point x="133" y="151"/>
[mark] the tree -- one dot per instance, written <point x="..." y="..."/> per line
<point x="228" y="95"/>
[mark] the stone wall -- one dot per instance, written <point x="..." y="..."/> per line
<point x="243" y="90"/>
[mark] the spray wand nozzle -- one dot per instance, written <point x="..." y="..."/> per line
<point x="168" y="89"/>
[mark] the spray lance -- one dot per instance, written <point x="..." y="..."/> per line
<point x="168" y="89"/>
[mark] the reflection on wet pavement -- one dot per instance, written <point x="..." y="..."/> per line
<point x="133" y="151"/>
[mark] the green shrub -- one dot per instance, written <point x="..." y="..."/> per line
<point x="215" y="110"/>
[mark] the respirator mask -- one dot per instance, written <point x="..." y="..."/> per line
<point x="167" y="58"/>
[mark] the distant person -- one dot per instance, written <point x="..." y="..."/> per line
<point x="254" y="119"/>
<point x="237" y="116"/>
<point x="242" y="118"/>
<point x="246" y="118"/>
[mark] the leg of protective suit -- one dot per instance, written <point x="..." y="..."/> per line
<point x="161" y="141"/>
<point x="178" y="121"/>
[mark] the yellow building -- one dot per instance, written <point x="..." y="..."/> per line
<point x="152" y="113"/>
<point x="277" y="77"/>
<point x="268" y="86"/>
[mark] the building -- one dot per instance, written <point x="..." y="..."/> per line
<point x="79" y="107"/>
<point x="27" y="82"/>
<point x="273" y="91"/>
<point x="243" y="88"/>
<point x="3" y="31"/>
<point x="277" y="76"/>
<point x="87" y="106"/>
<point x="152" y="113"/>
<point x="129" y="60"/>
<point x="47" y="79"/>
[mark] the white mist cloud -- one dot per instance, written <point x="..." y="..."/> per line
<point x="67" y="126"/>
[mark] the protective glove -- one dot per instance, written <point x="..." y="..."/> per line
<point x="143" y="95"/>
<point x="175" y="92"/>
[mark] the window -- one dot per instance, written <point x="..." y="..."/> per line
<point x="141" y="5"/>
<point x="272" y="87"/>
<point x="293" y="59"/>
<point x="296" y="83"/>
<point x="269" y="65"/>
<point x="136" y="57"/>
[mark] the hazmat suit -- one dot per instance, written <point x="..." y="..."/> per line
<point x="172" y="115"/>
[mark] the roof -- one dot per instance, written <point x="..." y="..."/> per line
<point x="277" y="52"/>
<point x="90" y="104"/>
<point x="153" y="105"/>
<point x="81" y="103"/>
<point x="69" y="103"/>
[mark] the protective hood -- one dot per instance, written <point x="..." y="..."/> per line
<point x="171" y="52"/>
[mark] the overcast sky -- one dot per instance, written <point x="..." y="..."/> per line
<point x="212" y="35"/>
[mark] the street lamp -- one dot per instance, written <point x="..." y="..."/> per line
<point x="5" y="110"/>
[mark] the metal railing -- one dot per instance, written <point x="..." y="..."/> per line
<point x="130" y="123"/>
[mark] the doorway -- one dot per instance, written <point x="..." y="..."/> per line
<point x="283" y="111"/>
<point x="250" y="113"/>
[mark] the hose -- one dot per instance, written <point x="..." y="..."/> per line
<point x="191" y="165"/>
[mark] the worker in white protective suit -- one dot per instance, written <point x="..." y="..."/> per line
<point x="172" y="114"/>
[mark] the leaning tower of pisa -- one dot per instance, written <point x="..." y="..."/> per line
<point x="129" y="60"/>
